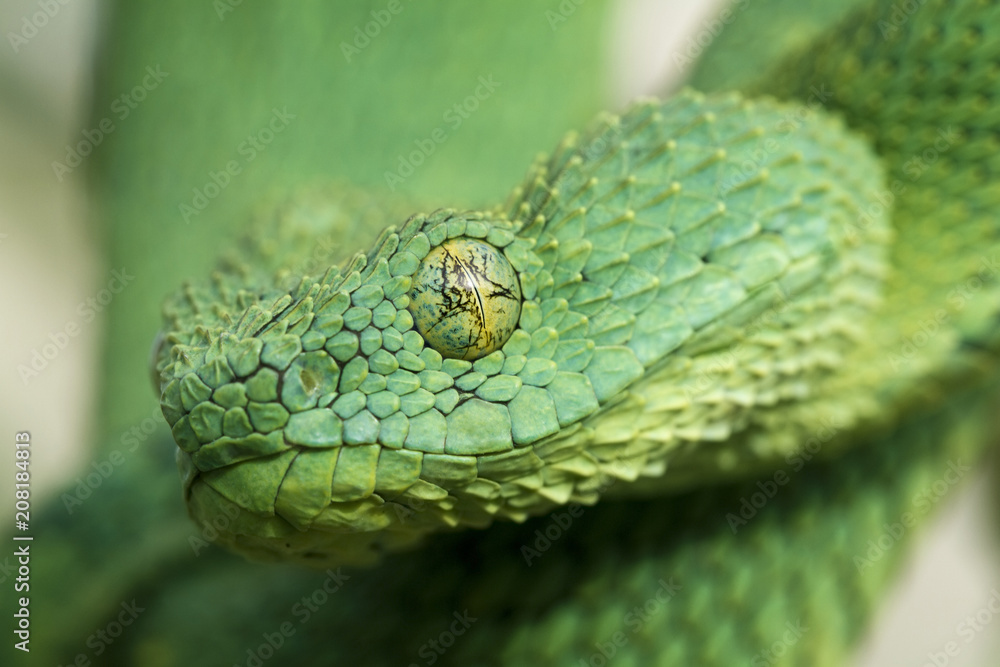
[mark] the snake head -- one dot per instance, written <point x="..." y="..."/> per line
<point x="475" y="366"/>
<point x="391" y="378"/>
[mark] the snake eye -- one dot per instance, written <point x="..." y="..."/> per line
<point x="465" y="299"/>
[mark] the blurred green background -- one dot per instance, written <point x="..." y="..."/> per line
<point x="56" y="254"/>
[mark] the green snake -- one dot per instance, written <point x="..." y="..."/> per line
<point x="706" y="351"/>
<point x="503" y="364"/>
<point x="683" y="293"/>
<point x="689" y="291"/>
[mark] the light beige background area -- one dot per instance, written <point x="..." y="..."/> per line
<point x="50" y="263"/>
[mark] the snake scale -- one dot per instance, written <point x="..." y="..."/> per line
<point x="683" y="293"/>
<point x="743" y="336"/>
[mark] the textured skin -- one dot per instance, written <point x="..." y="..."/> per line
<point x="316" y="415"/>
<point x="710" y="287"/>
<point x="734" y="587"/>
